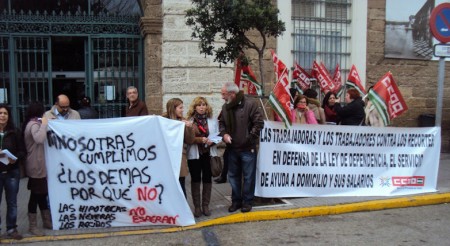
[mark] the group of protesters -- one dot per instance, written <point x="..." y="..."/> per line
<point x="308" y="110"/>
<point x="238" y="124"/>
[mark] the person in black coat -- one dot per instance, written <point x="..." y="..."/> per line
<point x="86" y="111"/>
<point x="353" y="112"/>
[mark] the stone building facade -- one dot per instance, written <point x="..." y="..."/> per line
<point x="175" y="68"/>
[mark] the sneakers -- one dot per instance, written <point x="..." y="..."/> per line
<point x="234" y="207"/>
<point x="246" y="208"/>
<point x="14" y="234"/>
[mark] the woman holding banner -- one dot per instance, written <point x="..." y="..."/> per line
<point x="174" y="111"/>
<point x="199" y="154"/>
<point x="301" y="113"/>
<point x="35" y="134"/>
<point x="10" y="140"/>
<point x="353" y="112"/>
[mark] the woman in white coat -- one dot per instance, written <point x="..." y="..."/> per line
<point x="199" y="154"/>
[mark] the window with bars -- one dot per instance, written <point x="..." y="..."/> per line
<point x="322" y="33"/>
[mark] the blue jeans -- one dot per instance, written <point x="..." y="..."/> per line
<point x="10" y="182"/>
<point x="242" y="168"/>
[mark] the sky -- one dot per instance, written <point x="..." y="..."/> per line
<point x="400" y="10"/>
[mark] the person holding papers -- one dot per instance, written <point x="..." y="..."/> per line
<point x="35" y="134"/>
<point x="199" y="154"/>
<point x="12" y="148"/>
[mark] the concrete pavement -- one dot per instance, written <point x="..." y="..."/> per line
<point x="292" y="208"/>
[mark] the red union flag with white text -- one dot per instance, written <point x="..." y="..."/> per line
<point x="245" y="79"/>
<point x="337" y="80"/>
<point x="387" y="98"/>
<point x="280" y="97"/>
<point x="301" y="77"/>
<point x="354" y="81"/>
<point x="323" y="78"/>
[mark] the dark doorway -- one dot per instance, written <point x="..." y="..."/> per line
<point x="71" y="88"/>
<point x="68" y="67"/>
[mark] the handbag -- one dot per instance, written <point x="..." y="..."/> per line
<point x="216" y="166"/>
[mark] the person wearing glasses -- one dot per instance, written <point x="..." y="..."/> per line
<point x="301" y="113"/>
<point x="61" y="110"/>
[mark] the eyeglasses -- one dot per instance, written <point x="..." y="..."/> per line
<point x="64" y="107"/>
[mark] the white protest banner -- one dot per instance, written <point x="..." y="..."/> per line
<point x="329" y="160"/>
<point x="115" y="172"/>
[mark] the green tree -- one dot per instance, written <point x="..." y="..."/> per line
<point x="231" y="21"/>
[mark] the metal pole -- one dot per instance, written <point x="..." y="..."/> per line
<point x="440" y="91"/>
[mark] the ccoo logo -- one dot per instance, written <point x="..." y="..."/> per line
<point x="408" y="180"/>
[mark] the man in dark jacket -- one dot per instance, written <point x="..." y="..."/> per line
<point x="135" y="107"/>
<point x="240" y="124"/>
<point x="86" y="111"/>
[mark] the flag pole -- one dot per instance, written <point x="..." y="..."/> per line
<point x="263" y="107"/>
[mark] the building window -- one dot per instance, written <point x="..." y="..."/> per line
<point x="321" y="32"/>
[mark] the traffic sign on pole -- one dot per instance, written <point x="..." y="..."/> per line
<point x="440" y="22"/>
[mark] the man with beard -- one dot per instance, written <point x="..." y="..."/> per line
<point x="61" y="110"/>
<point x="240" y="124"/>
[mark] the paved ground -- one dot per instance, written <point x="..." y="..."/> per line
<point x="294" y="208"/>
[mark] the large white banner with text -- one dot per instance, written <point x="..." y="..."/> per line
<point x="116" y="172"/>
<point x="329" y="160"/>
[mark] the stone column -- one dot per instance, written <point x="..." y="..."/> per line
<point x="151" y="28"/>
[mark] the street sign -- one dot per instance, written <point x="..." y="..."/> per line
<point x="441" y="50"/>
<point x="440" y="22"/>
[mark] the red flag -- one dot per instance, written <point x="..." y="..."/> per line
<point x="279" y="65"/>
<point x="337" y="80"/>
<point x="301" y="77"/>
<point x="240" y="79"/>
<point x="387" y="98"/>
<point x="279" y="98"/>
<point x="247" y="76"/>
<point x="323" y="78"/>
<point x="237" y="74"/>
<point x="354" y="80"/>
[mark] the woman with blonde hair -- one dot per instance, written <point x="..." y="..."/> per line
<point x="199" y="154"/>
<point x="174" y="111"/>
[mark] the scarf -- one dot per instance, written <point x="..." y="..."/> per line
<point x="230" y="108"/>
<point x="202" y="124"/>
<point x="330" y="114"/>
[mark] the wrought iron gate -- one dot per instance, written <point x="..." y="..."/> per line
<point x="113" y="56"/>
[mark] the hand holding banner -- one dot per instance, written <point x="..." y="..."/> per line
<point x="115" y="172"/>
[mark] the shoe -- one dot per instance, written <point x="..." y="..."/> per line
<point x="246" y="208"/>
<point x="220" y="180"/>
<point x="14" y="234"/>
<point x="234" y="207"/>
